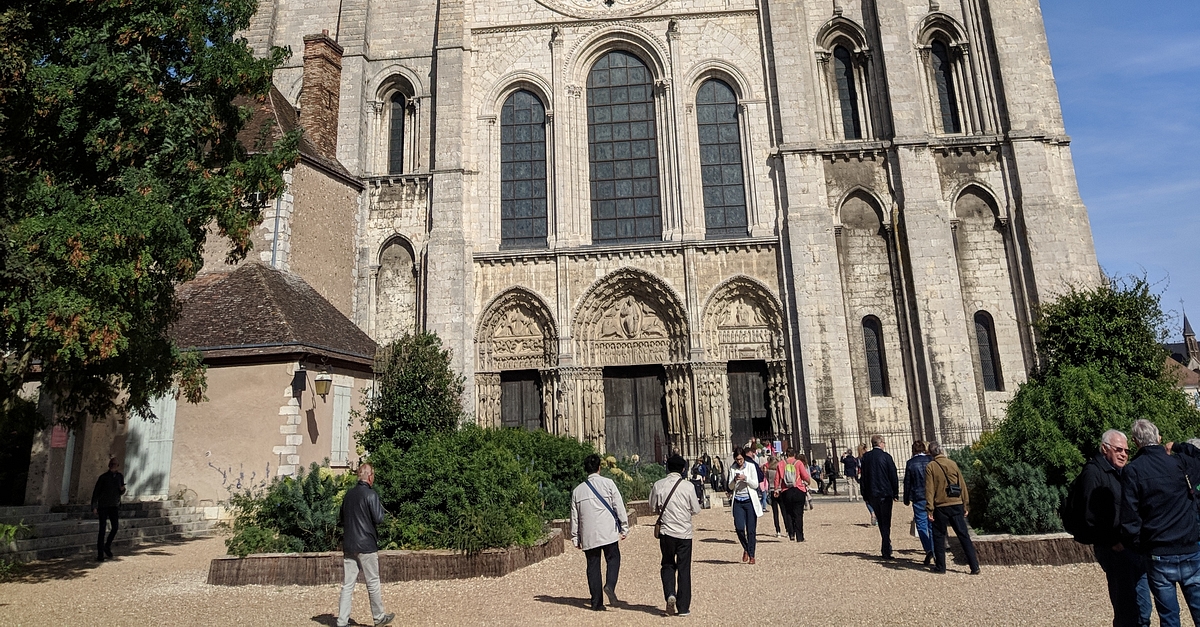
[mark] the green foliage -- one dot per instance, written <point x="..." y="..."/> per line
<point x="460" y="490"/>
<point x="418" y="394"/>
<point x="1102" y="369"/>
<point x="118" y="148"/>
<point x="553" y="463"/>
<point x="252" y="539"/>
<point x="297" y="514"/>
<point x="634" y="479"/>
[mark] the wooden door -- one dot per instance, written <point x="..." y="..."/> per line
<point x="635" y="413"/>
<point x="149" y="444"/>
<point x="749" y="416"/>
<point x="521" y="400"/>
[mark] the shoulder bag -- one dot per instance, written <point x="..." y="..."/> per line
<point x="658" y="523"/>
<point x="953" y="490"/>
<point x="608" y="507"/>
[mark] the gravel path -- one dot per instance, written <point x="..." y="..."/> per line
<point x="832" y="579"/>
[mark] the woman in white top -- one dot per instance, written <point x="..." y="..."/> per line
<point x="743" y="486"/>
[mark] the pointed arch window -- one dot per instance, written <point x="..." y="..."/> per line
<point x="876" y="361"/>
<point x="398" y="109"/>
<point x="847" y="90"/>
<point x="623" y="151"/>
<point x="721" y="173"/>
<point x="989" y="358"/>
<point x="523" y="172"/>
<point x="943" y="78"/>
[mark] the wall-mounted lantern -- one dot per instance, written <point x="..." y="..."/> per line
<point x="321" y="384"/>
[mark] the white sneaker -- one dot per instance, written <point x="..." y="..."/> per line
<point x="670" y="605"/>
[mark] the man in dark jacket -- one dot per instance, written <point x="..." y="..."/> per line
<point x="361" y="512"/>
<point x="880" y="487"/>
<point x="914" y="494"/>
<point x="1097" y="494"/>
<point x="1158" y="520"/>
<point x="106" y="502"/>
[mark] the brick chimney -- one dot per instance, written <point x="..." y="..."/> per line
<point x="319" y="93"/>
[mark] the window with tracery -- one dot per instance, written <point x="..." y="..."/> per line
<point x="721" y="173"/>
<point x="523" y="172"/>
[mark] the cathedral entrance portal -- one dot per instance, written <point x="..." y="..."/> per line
<point x="635" y="412"/>
<point x="521" y="399"/>
<point x="749" y="413"/>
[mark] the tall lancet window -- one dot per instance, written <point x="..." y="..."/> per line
<point x="721" y="161"/>
<point x="623" y="151"/>
<point x="847" y="88"/>
<point x="943" y="78"/>
<point x="398" y="110"/>
<point x="523" y="172"/>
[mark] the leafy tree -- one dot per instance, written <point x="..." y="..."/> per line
<point x="1103" y="367"/>
<point x="417" y="394"/>
<point x="118" y="148"/>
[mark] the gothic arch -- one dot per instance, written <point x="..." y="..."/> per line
<point x="516" y="81"/>
<point x="841" y="29"/>
<point x="395" y="76"/>
<point x="630" y="317"/>
<point x="846" y="207"/>
<point x="516" y="332"/>
<point x="743" y="320"/>
<point x="980" y="191"/>
<point x="718" y="69"/>
<point x="395" y="297"/>
<point x="627" y="37"/>
<point x="940" y="26"/>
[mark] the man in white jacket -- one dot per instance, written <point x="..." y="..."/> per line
<point x="676" y="504"/>
<point x="598" y="523"/>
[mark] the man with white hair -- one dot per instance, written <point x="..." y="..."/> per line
<point x="1096" y="497"/>
<point x="1158" y="520"/>
<point x="361" y="513"/>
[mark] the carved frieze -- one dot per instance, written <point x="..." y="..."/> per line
<point x="742" y="322"/>
<point x="516" y="334"/>
<point x="600" y="8"/>
<point x="631" y="318"/>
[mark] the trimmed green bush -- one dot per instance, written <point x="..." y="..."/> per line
<point x="251" y="539"/>
<point x="634" y="479"/>
<point x="553" y="463"/>
<point x="460" y="491"/>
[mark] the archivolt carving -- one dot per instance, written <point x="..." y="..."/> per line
<point x="593" y="8"/>
<point x="743" y="321"/>
<point x="516" y="333"/>
<point x="630" y="317"/>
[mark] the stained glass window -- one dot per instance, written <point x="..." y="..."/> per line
<point x="721" y="161"/>
<point x="523" y="172"/>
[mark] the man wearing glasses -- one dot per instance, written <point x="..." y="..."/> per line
<point x="1097" y="494"/>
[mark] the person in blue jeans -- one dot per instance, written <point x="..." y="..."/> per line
<point x="743" y="487"/>
<point x="914" y="494"/>
<point x="1158" y="520"/>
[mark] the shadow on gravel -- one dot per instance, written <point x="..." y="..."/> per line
<point x="718" y="562"/>
<point x="583" y="604"/>
<point x="896" y="564"/>
<point x="75" y="567"/>
<point x="331" y="620"/>
<point x="718" y="540"/>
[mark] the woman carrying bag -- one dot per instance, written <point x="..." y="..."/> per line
<point x="743" y="487"/>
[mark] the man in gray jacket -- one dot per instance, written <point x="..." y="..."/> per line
<point x="598" y="523"/>
<point x="676" y="508"/>
<point x="361" y="512"/>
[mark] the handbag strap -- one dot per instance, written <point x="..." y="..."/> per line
<point x="663" y="509"/>
<point x="606" y="505"/>
<point x="946" y="476"/>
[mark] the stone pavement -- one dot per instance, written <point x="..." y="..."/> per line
<point x="833" y="579"/>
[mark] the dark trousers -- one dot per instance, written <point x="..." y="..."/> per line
<point x="793" y="500"/>
<point x="1128" y="589"/>
<point x="106" y="515"/>
<point x="883" y="514"/>
<point x="596" y="585"/>
<point x="745" y="522"/>
<point x="776" y="505"/>
<point x="677" y="564"/>
<point x="832" y="485"/>
<point x="951" y="516"/>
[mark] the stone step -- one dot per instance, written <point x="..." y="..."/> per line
<point x="22" y="511"/>
<point x="33" y="519"/>
<point x="87" y="538"/>
<point x="49" y="529"/>
<point x="120" y="544"/>
<point x="86" y="508"/>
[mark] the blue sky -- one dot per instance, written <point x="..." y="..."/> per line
<point x="1129" y="78"/>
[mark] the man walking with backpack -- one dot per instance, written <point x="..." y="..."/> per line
<point x="791" y="481"/>
<point x="598" y="523"/>
<point x="1093" y="517"/>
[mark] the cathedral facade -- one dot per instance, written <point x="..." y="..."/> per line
<point x="678" y="224"/>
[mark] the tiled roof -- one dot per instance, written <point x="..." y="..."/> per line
<point x="1184" y="377"/>
<point x="277" y="116"/>
<point x="258" y="311"/>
